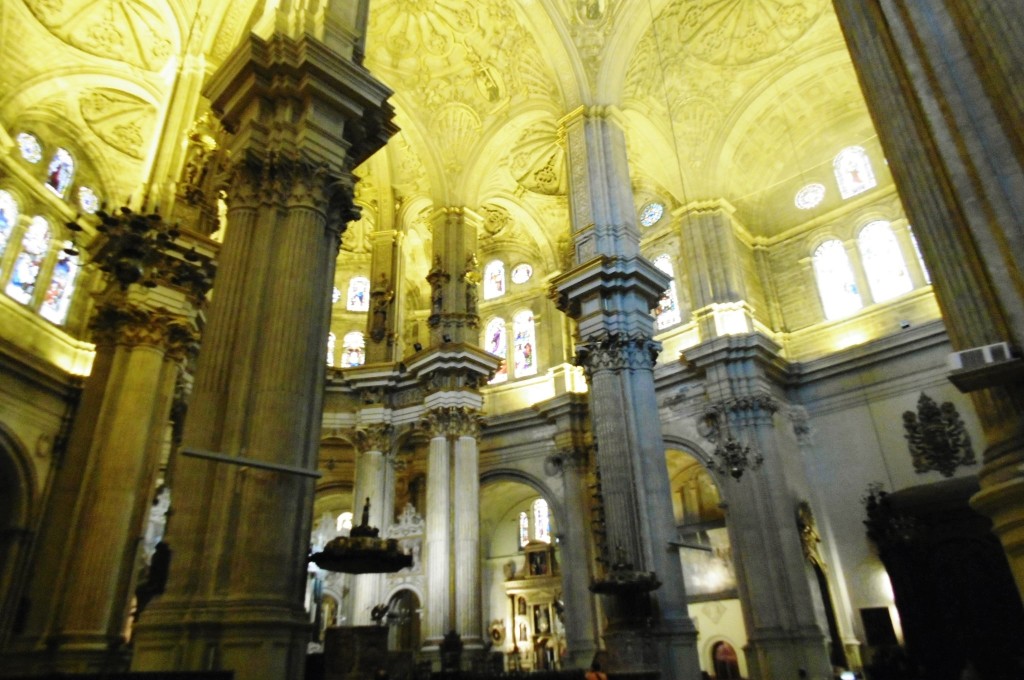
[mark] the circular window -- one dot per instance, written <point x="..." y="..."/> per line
<point x="88" y="200"/>
<point x="651" y="213"/>
<point x="810" y="196"/>
<point x="29" y="146"/>
<point x="521" y="273"/>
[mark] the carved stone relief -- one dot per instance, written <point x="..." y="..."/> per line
<point x="119" y="119"/>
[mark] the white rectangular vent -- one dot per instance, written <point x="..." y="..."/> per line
<point x="977" y="357"/>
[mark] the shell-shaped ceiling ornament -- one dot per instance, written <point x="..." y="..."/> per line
<point x="457" y="129"/>
<point x="537" y="160"/>
<point x="119" y="119"/>
<point x="140" y="33"/>
<point x="738" y="32"/>
<point x="695" y="121"/>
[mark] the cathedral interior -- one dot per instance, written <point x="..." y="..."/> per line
<point x="684" y="335"/>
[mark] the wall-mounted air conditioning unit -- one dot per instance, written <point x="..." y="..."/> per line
<point x="977" y="357"/>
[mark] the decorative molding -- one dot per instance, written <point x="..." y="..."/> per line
<point x="937" y="438"/>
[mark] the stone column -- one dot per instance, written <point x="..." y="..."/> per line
<point x="88" y="546"/>
<point x="385" y="276"/>
<point x="779" y="606"/>
<point x="454" y="277"/>
<point x="944" y="77"/>
<point x="371" y="469"/>
<point x="466" y="537"/>
<point x="610" y="292"/>
<point x="437" y="546"/>
<point x="240" y="536"/>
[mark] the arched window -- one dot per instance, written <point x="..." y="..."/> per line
<point x="494" y="279"/>
<point x="883" y="262"/>
<point x="62" y="284"/>
<point x="524" y="529"/>
<point x="26" y="268"/>
<point x="345" y="523"/>
<point x="836" y="284"/>
<point x="853" y="171"/>
<point x="541" y="521"/>
<point x="60" y="172"/>
<point x="358" y="294"/>
<point x="496" y="342"/>
<point x="913" y="240"/>
<point x="8" y="218"/>
<point x="525" y="343"/>
<point x="332" y="343"/>
<point x="667" y="312"/>
<point x="353" y="350"/>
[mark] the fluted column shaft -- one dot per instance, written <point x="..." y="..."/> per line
<point x="945" y="78"/>
<point x="97" y="510"/>
<point x="466" y="534"/>
<point x="370" y="485"/>
<point x="437" y="544"/>
<point x="580" y="626"/>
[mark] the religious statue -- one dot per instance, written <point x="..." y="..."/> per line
<point x="437" y="276"/>
<point x="472" y="278"/>
<point x="381" y="296"/>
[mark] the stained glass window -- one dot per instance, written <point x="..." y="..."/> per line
<point x="524" y="344"/>
<point x="62" y="284"/>
<point x="524" y="529"/>
<point x="30" y="148"/>
<point x="494" y="279"/>
<point x="60" y="172"/>
<point x="836" y="283"/>
<point x="541" y="521"/>
<point x="8" y="218"/>
<point x="853" y="171"/>
<point x="810" y="196"/>
<point x="496" y="342"/>
<point x="667" y="312"/>
<point x="26" y="268"/>
<point x="332" y="343"/>
<point x="358" y="294"/>
<point x="884" y="266"/>
<point x="521" y="273"/>
<point x="88" y="200"/>
<point x="651" y="213"/>
<point x="353" y="350"/>
<point x="913" y="240"/>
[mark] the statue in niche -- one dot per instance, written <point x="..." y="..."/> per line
<point x="436" y="276"/>
<point x="381" y="296"/>
<point x="472" y="278"/>
<point x="809" y="537"/>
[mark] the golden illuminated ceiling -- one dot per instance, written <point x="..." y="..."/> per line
<point x="733" y="99"/>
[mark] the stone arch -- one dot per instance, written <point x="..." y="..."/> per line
<point x="18" y="513"/>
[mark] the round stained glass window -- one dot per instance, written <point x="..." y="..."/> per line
<point x="651" y="213"/>
<point x="29" y="147"/>
<point x="521" y="273"/>
<point x="88" y="200"/>
<point x="810" y="196"/>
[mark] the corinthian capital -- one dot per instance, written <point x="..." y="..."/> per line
<point x="617" y="352"/>
<point x="374" y="437"/>
<point x="130" y="325"/>
<point x="452" y="421"/>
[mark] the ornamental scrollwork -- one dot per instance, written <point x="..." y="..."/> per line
<point x="118" y="323"/>
<point x="753" y="409"/>
<point x="617" y="352"/>
<point x="937" y="437"/>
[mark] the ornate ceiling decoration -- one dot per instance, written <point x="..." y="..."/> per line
<point x="119" y="119"/>
<point x="459" y="63"/>
<point x="139" y="33"/>
<point x="738" y="32"/>
<point x="537" y="160"/>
